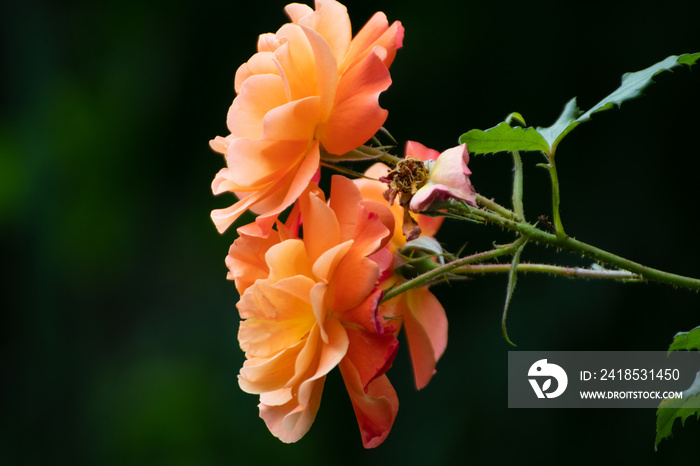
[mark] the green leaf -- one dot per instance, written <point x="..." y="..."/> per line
<point x="564" y="124"/>
<point x="687" y="341"/>
<point x="503" y="138"/>
<point x="632" y="86"/>
<point x="674" y="408"/>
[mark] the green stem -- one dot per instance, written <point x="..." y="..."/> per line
<point x="570" y="272"/>
<point x="346" y="171"/>
<point x="518" y="185"/>
<point x="534" y="234"/>
<point x="558" y="226"/>
<point x="443" y="270"/>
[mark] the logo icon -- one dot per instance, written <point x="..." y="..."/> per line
<point x="542" y="369"/>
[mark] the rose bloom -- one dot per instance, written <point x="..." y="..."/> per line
<point x="448" y="176"/>
<point x="310" y="304"/>
<point x="311" y="89"/>
<point x="424" y="318"/>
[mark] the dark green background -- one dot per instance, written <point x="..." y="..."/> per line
<point x="119" y="328"/>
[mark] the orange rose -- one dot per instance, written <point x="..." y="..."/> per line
<point x="424" y="317"/>
<point x="310" y="90"/>
<point x="312" y="304"/>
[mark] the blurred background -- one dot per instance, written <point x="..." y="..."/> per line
<point x="118" y="332"/>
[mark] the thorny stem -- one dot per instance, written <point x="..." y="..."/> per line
<point x="503" y="217"/>
<point x="443" y="270"/>
<point x="346" y="171"/>
<point x="571" y="272"/>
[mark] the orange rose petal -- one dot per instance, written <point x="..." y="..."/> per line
<point x="287" y="422"/>
<point x="296" y="62"/>
<point x="375" y="33"/>
<point x="366" y="314"/>
<point x="326" y="71"/>
<point x="375" y="226"/>
<point x="318" y="302"/>
<point x="426" y="329"/>
<point x="246" y="260"/>
<point x="325" y="266"/>
<point x="222" y="182"/>
<point x="258" y="95"/>
<point x="332" y="22"/>
<point x="356" y="115"/>
<point x="375" y="408"/>
<point x="259" y="64"/>
<point x="296" y="11"/>
<point x="281" y="196"/>
<point x="260" y="375"/>
<point x="371" y="353"/>
<point x="223" y="218"/>
<point x="321" y="229"/>
<point x="288" y="259"/>
<point x="277" y="397"/>
<point x="354" y="278"/>
<point x="259" y="162"/>
<point x="268" y="42"/>
<point x="418" y="151"/>
<point x="277" y="315"/>
<point x="344" y="201"/>
<point x="293" y="121"/>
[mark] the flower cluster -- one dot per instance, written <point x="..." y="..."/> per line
<point x="311" y="287"/>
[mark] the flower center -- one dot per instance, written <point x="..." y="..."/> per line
<point x="406" y="179"/>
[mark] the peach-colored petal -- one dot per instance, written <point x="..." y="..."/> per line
<point x="321" y="229"/>
<point x="332" y="22"/>
<point x="259" y="94"/>
<point x="375" y="407"/>
<point x="293" y="121"/>
<point x="426" y="330"/>
<point x="246" y="260"/>
<point x="219" y="144"/>
<point x="375" y="226"/>
<point x="326" y="71"/>
<point x="223" y="218"/>
<point x="366" y="315"/>
<point x="344" y="201"/>
<point x="372" y="354"/>
<point x="375" y="33"/>
<point x="320" y="307"/>
<point x="326" y="264"/>
<point x="259" y="64"/>
<point x="356" y="115"/>
<point x="276" y="198"/>
<point x="259" y="375"/>
<point x="296" y="63"/>
<point x="296" y="11"/>
<point x="369" y="223"/>
<point x="287" y="259"/>
<point x="353" y="279"/>
<point x="418" y="151"/>
<point x="287" y="422"/>
<point x="268" y="43"/>
<point x="277" y="315"/>
<point x="258" y="163"/>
